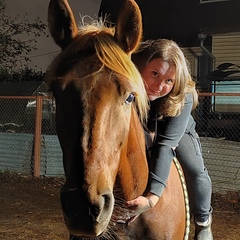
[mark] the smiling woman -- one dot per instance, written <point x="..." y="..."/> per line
<point x="159" y="78"/>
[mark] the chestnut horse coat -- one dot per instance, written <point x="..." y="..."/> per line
<point x="100" y="106"/>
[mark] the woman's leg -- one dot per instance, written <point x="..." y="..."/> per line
<point x="189" y="154"/>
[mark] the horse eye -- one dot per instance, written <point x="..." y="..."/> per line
<point x="130" y="98"/>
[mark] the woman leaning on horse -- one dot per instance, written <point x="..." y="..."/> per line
<point x="172" y="96"/>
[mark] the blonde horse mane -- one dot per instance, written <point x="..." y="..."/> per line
<point x="113" y="57"/>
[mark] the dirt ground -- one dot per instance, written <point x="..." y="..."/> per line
<point x="30" y="209"/>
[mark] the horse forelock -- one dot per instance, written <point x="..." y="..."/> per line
<point x="114" y="58"/>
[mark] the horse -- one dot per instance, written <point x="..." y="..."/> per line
<point x="101" y="106"/>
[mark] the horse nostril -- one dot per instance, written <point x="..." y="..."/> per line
<point x="107" y="200"/>
<point x="105" y="207"/>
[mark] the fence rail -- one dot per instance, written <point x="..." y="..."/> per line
<point x="28" y="141"/>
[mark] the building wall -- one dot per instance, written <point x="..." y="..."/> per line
<point x="226" y="48"/>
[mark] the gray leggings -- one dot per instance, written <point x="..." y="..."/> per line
<point x="189" y="154"/>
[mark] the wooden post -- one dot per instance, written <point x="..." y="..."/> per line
<point x="37" y="136"/>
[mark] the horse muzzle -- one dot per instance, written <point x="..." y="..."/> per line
<point x="83" y="217"/>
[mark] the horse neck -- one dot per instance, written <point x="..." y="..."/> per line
<point x="133" y="171"/>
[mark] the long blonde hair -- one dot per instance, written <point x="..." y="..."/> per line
<point x="172" y="104"/>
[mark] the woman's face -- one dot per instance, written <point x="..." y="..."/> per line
<point x="159" y="78"/>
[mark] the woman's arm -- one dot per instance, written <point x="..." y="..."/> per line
<point x="169" y="133"/>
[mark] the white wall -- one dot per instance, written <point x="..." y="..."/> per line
<point x="38" y="8"/>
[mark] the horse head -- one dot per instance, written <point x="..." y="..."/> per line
<point x="100" y="102"/>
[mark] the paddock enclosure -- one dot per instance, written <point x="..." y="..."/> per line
<point x="29" y="144"/>
<point x="30" y="206"/>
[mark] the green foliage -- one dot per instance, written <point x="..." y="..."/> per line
<point x="25" y="74"/>
<point x="18" y="38"/>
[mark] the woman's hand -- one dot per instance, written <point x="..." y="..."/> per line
<point x="136" y="207"/>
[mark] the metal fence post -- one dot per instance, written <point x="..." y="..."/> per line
<point x="37" y="136"/>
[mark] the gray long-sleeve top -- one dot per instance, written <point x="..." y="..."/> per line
<point x="169" y="132"/>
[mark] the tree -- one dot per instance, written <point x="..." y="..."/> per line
<point x="23" y="74"/>
<point x="18" y="38"/>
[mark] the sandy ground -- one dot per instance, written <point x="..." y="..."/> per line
<point x="30" y="209"/>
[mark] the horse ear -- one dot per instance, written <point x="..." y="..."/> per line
<point x="61" y="22"/>
<point x="129" y="26"/>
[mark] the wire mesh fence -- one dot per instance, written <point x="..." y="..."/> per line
<point x="18" y="115"/>
<point x="218" y="116"/>
<point x="218" y="124"/>
<point x="19" y="139"/>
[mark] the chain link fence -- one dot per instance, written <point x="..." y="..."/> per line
<point x="218" y="116"/>
<point x="23" y="149"/>
<point x="21" y="146"/>
<point x="218" y="125"/>
<point x="18" y="115"/>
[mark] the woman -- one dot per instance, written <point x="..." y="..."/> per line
<point x="172" y="96"/>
